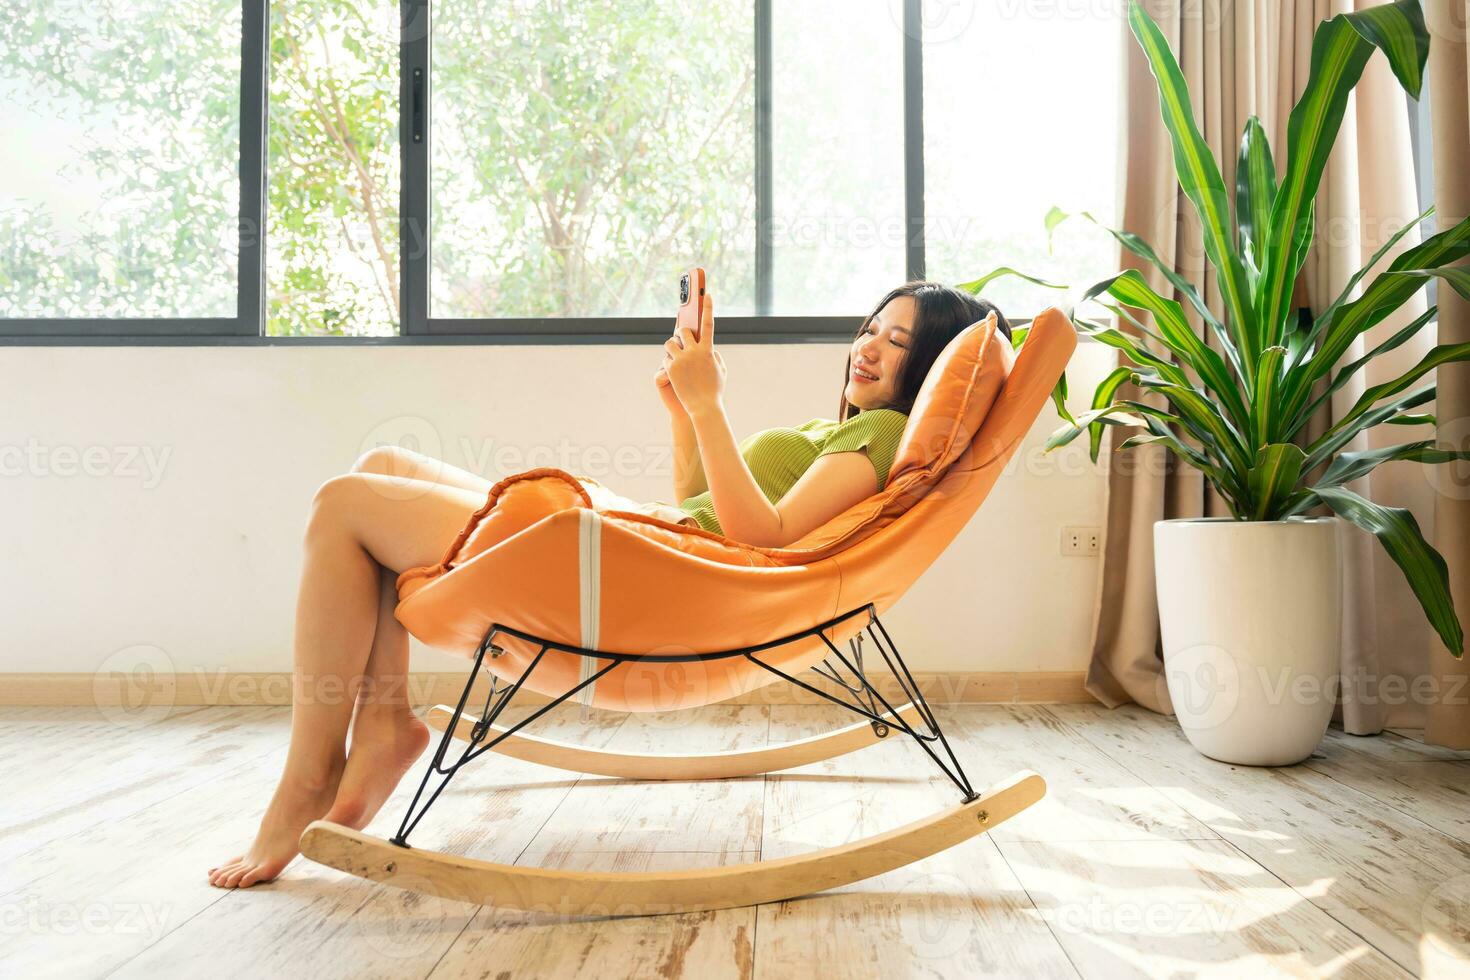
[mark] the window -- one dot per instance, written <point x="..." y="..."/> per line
<point x="333" y="164"/>
<point x="838" y="223"/>
<point x="538" y="170"/>
<point x="122" y="139"/>
<point x="1020" y="115"/>
<point x="583" y="153"/>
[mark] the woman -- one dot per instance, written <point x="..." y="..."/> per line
<point x="351" y="654"/>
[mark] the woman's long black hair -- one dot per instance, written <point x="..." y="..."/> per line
<point x="940" y="313"/>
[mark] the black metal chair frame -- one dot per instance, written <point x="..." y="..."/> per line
<point x="865" y="699"/>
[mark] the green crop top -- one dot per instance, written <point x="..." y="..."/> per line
<point x="778" y="457"/>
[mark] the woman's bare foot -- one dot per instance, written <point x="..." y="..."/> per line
<point x="295" y="804"/>
<point x="386" y="742"/>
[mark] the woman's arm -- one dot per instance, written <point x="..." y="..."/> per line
<point x="688" y="468"/>
<point x="689" y="478"/>
<point x="831" y="485"/>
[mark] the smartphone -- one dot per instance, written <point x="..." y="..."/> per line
<point x="691" y="301"/>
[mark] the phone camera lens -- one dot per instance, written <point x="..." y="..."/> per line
<point x="684" y="290"/>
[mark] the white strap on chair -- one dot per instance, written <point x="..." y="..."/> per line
<point x="589" y="550"/>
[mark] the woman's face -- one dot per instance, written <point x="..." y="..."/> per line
<point x="877" y="355"/>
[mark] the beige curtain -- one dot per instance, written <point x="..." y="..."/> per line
<point x="1448" y="711"/>
<point x="1242" y="58"/>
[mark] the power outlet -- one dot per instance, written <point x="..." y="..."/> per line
<point x="1081" y="541"/>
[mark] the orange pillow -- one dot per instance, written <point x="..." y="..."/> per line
<point x="961" y="386"/>
<point x="957" y="393"/>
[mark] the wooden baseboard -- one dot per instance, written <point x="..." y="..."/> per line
<point x="133" y="691"/>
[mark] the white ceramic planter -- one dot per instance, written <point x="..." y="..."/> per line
<point x="1251" y="613"/>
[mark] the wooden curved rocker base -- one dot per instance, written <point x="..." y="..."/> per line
<point x="716" y="765"/>
<point x="664" y="892"/>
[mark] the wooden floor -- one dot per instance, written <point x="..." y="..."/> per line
<point x="1145" y="859"/>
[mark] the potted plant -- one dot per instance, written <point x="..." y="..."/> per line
<point x="1249" y="605"/>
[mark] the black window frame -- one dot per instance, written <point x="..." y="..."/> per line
<point x="416" y="325"/>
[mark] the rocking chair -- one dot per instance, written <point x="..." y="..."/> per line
<point x="632" y="613"/>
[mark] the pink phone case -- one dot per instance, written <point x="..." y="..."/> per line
<point x="691" y="300"/>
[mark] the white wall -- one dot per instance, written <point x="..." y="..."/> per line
<point x="155" y="496"/>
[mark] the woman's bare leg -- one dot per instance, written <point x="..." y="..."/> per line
<point x="387" y="736"/>
<point x="361" y="523"/>
<point x="405" y="464"/>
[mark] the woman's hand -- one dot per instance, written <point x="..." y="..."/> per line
<point x="666" y="392"/>
<point x="696" y="370"/>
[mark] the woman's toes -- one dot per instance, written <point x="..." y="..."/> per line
<point x="232" y="861"/>
<point x="255" y="875"/>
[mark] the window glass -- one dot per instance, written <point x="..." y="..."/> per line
<point x="1020" y="115"/>
<point x="121" y="125"/>
<point x="333" y="170"/>
<point x="837" y="227"/>
<point x="584" y="153"/>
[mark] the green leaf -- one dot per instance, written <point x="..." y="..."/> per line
<point x="1299" y="501"/>
<point x="1158" y="421"/>
<point x="1054" y="217"/>
<point x="1265" y="408"/>
<point x="1442" y="354"/>
<point x="1347" y="467"/>
<point x="1407" y="419"/>
<point x="1176" y="334"/>
<point x="1274" y="477"/>
<point x="1398" y="30"/>
<point x="1199" y="177"/>
<point x="1124" y="316"/>
<point x="1059" y="398"/>
<point x="1203" y="417"/>
<point x="1113" y="415"/>
<point x="1102" y="398"/>
<point x="1331" y="441"/>
<point x="1423" y="567"/>
<point x="1386" y="293"/>
<point x="1255" y="188"/>
<point x="1146" y="359"/>
<point x="1340" y="50"/>
<point x="1184" y="287"/>
<point x="1457" y="276"/>
<point x="1140" y="440"/>
<point x="975" y="285"/>
<point x="1357" y="277"/>
<point x="1398" y="339"/>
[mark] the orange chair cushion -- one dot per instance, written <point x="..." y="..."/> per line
<point x="523" y="499"/>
